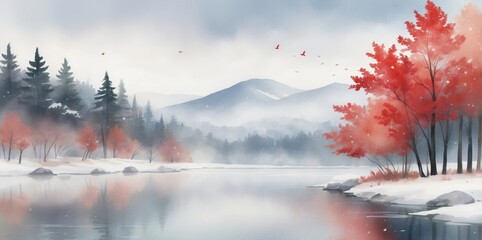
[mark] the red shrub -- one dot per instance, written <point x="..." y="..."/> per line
<point x="388" y="175"/>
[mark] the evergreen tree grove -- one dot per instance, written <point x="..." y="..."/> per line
<point x="107" y="109"/>
<point x="38" y="89"/>
<point x="10" y="86"/>
<point x="67" y="94"/>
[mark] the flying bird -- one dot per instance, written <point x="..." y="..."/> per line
<point x="346" y="69"/>
<point x="277" y="47"/>
<point x="337" y="64"/>
<point x="103" y="53"/>
<point x="303" y="54"/>
<point x="180" y="51"/>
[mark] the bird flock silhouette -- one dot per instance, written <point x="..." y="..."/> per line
<point x="304" y="54"/>
<point x="278" y="47"/>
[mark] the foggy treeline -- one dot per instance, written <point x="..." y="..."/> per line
<point x="56" y="116"/>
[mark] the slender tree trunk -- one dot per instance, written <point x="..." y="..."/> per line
<point x="433" y="155"/>
<point x="444" y="164"/>
<point x="9" y="150"/>
<point x="3" y="150"/>
<point x="20" y="157"/>
<point x="469" y="146"/>
<point x="459" y="145"/>
<point x="479" y="143"/>
<point x="104" y="147"/>
<point x="446" y="139"/>
<point x="419" y="161"/>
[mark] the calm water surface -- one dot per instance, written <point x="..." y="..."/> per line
<point x="211" y="204"/>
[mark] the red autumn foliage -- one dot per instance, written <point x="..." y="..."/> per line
<point x="45" y="136"/>
<point x="13" y="133"/>
<point x="365" y="133"/>
<point x="388" y="175"/>
<point x="173" y="151"/>
<point x="116" y="140"/>
<point x="87" y="140"/>
<point x="131" y="149"/>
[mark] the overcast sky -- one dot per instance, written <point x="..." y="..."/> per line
<point x="223" y="42"/>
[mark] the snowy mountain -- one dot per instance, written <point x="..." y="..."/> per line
<point x="253" y="91"/>
<point x="265" y="106"/>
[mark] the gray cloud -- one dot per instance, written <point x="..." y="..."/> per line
<point x="224" y="41"/>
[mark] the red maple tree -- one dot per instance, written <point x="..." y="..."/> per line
<point x="13" y="132"/>
<point x="87" y="141"/>
<point x="116" y="139"/>
<point x="172" y="151"/>
<point x="371" y="131"/>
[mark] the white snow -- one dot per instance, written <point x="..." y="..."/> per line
<point x="343" y="177"/>
<point x="72" y="112"/>
<point x="268" y="95"/>
<point x="76" y="166"/>
<point x="468" y="213"/>
<point x="422" y="190"/>
<point x="55" y="105"/>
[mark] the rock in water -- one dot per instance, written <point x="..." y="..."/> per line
<point x="130" y="169"/>
<point x="344" y="186"/>
<point x="42" y="171"/>
<point x="450" y="199"/>
<point x="98" y="171"/>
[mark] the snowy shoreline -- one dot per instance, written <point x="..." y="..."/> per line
<point x="459" y="196"/>
<point x="75" y="166"/>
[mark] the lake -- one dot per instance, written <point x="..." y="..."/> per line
<point x="211" y="204"/>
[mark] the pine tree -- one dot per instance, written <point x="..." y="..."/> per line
<point x="123" y="101"/>
<point x="148" y="116"/>
<point x="38" y="89"/>
<point x="162" y="128"/>
<point x="10" y="72"/>
<point x="107" y="109"/>
<point x="67" y="94"/>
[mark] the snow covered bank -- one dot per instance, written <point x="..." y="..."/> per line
<point x="464" y="192"/>
<point x="111" y="165"/>
<point x="76" y="166"/>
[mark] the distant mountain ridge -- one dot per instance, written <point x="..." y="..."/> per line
<point x="257" y="100"/>
<point x="159" y="100"/>
<point x="245" y="92"/>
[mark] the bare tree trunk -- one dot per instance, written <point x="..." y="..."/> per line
<point x="104" y="144"/>
<point x="417" y="158"/>
<point x="469" y="146"/>
<point x="20" y="157"/>
<point x="432" y="150"/>
<point x="459" y="146"/>
<point x="479" y="143"/>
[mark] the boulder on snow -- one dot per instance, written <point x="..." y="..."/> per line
<point x="343" y="186"/>
<point x="166" y="170"/>
<point x="450" y="199"/>
<point x="42" y="171"/>
<point x="98" y="171"/>
<point x="130" y="170"/>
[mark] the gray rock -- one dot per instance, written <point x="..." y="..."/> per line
<point x="97" y="171"/>
<point x="42" y="171"/>
<point x="165" y="169"/>
<point x="130" y="169"/>
<point x="344" y="186"/>
<point x="378" y="198"/>
<point x="450" y="199"/>
<point x="332" y="186"/>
